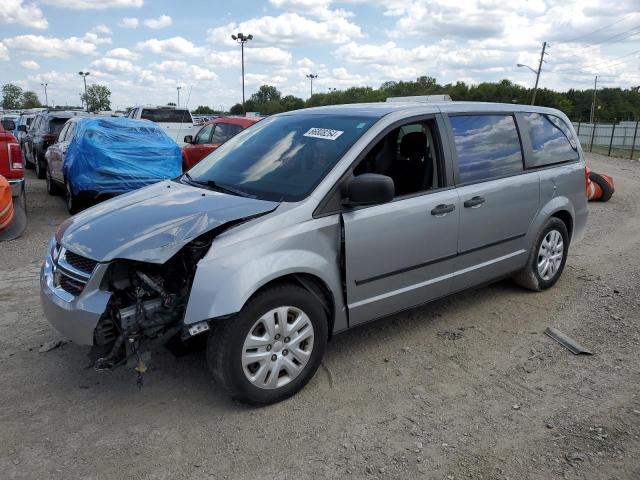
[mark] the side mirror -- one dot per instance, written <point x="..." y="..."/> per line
<point x="188" y="139"/>
<point x="22" y="128"/>
<point x="369" y="189"/>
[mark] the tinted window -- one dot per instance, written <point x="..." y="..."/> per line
<point x="166" y="115"/>
<point x="282" y="157"/>
<point x="8" y="124"/>
<point x="551" y="140"/>
<point x="488" y="146"/>
<point x="56" y="124"/>
<point x="224" y="131"/>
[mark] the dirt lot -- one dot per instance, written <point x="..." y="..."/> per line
<point x="468" y="387"/>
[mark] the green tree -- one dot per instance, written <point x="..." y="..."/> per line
<point x="30" y="99"/>
<point x="11" y="95"/>
<point x="97" y="98"/>
<point x="203" y="110"/>
<point x="236" y="109"/>
<point x="265" y="94"/>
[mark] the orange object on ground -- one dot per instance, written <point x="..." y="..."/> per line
<point x="6" y="204"/>
<point x="599" y="186"/>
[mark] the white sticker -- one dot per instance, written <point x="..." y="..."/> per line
<point x="325" y="133"/>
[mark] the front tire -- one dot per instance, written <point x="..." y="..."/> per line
<point x="73" y="203"/>
<point x="52" y="188"/>
<point x="547" y="258"/>
<point x="272" y="348"/>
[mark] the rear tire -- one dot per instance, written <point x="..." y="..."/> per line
<point x="607" y="191"/>
<point x="73" y="203"/>
<point x="289" y="328"/>
<point x="546" y="262"/>
<point x="52" y="187"/>
<point x="40" y="166"/>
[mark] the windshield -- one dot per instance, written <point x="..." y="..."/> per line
<point x="166" y="115"/>
<point x="281" y="158"/>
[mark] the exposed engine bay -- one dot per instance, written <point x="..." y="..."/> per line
<point x="147" y="306"/>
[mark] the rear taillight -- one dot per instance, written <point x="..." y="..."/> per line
<point x="15" y="157"/>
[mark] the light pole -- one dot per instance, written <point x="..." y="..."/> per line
<point x="178" y="89"/>
<point x="537" y="72"/>
<point x="84" y="76"/>
<point x="46" y="98"/>
<point x="311" y="76"/>
<point x="242" y="39"/>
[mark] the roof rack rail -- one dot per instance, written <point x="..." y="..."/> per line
<point x="422" y="98"/>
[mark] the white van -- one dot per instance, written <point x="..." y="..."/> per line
<point x="176" y="121"/>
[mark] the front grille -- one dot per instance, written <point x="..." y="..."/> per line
<point x="78" y="262"/>
<point x="71" y="285"/>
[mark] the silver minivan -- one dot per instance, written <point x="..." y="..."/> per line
<point x="315" y="221"/>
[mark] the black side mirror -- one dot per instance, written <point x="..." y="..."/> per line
<point x="369" y="189"/>
<point x="22" y="128"/>
<point x="188" y="139"/>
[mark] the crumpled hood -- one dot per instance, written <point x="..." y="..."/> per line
<point x="152" y="224"/>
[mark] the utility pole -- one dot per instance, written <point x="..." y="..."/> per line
<point x="535" y="89"/>
<point x="311" y="76"/>
<point x="593" y="104"/>
<point x="242" y="39"/>
<point x="46" y="98"/>
<point x="178" y="89"/>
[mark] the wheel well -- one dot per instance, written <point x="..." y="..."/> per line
<point x="313" y="284"/>
<point x="566" y="219"/>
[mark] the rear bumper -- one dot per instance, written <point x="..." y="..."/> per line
<point x="74" y="317"/>
<point x="17" y="186"/>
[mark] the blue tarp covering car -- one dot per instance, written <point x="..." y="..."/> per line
<point x="112" y="155"/>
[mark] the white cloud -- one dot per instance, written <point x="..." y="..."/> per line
<point x="55" y="47"/>
<point x="4" y="52"/>
<point x="30" y="65"/>
<point x="315" y="8"/>
<point x="171" y="47"/>
<point x="122" y="54"/>
<point x="223" y="59"/>
<point x="161" y="22"/>
<point x="113" y="65"/>
<point x="288" y="29"/>
<point x="198" y="73"/>
<point x="129" y="22"/>
<point x="17" y="12"/>
<point x="93" y="4"/>
<point x="101" y="29"/>
<point x="169" y="66"/>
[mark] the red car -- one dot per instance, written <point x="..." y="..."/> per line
<point x="212" y="134"/>
<point x="11" y="162"/>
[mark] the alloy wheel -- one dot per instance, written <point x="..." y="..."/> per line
<point x="550" y="255"/>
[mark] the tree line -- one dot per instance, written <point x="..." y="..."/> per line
<point x="612" y="104"/>
<point x="97" y="98"/>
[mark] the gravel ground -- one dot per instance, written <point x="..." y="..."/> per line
<point x="467" y="387"/>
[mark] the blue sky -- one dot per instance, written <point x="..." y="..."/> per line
<point x="143" y="49"/>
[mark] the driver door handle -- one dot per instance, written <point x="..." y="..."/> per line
<point x="474" y="202"/>
<point x="443" y="209"/>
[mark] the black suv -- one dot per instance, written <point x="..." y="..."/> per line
<point x="43" y="132"/>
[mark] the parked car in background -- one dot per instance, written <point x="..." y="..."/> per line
<point x="213" y="134"/>
<point x="43" y="132"/>
<point x="316" y="221"/>
<point x="11" y="161"/>
<point x="99" y="157"/>
<point x="25" y="119"/>
<point x="176" y="122"/>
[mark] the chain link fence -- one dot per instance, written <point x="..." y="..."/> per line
<point x="613" y="139"/>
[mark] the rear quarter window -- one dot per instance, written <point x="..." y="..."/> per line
<point x="166" y="115"/>
<point x="487" y="146"/>
<point x="551" y="140"/>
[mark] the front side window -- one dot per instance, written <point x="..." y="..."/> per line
<point x="551" y="140"/>
<point x="281" y="158"/>
<point x="488" y="146"/>
<point x="166" y="115"/>
<point x="204" y="134"/>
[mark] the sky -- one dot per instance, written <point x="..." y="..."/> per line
<point x="143" y="49"/>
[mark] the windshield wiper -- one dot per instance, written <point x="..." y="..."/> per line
<point x="217" y="186"/>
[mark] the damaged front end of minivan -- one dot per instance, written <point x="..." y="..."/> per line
<point x="118" y="277"/>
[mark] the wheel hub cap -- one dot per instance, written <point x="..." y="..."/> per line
<point x="277" y="347"/>
<point x="550" y="255"/>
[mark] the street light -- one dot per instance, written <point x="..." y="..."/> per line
<point x="311" y="76"/>
<point x="242" y="39"/>
<point x="527" y="66"/>
<point x="178" y="89"/>
<point x="84" y="76"/>
<point x="46" y="98"/>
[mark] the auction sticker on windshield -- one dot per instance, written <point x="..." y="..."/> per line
<point x="325" y="133"/>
